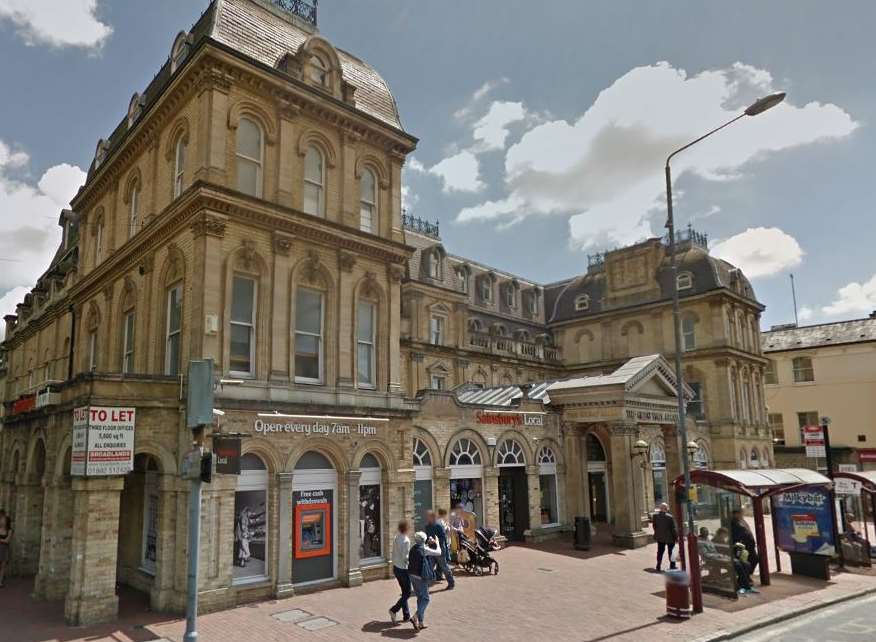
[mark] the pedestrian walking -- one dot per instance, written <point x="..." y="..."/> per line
<point x="666" y="534"/>
<point x="421" y="574"/>
<point x="401" y="549"/>
<point x="437" y="529"/>
<point x="5" y="540"/>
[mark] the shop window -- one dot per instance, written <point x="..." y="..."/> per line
<point x="422" y="482"/>
<point x="128" y="344"/>
<point x="242" y="342"/>
<point x="777" y="425"/>
<point x="309" y="311"/>
<point x="509" y="453"/>
<point x="173" y="336"/>
<point x="368" y="202"/>
<point x="466" y="494"/>
<point x="465" y="453"/>
<point x="803" y="370"/>
<point x="436" y="330"/>
<point x="689" y="333"/>
<point x="251" y="522"/>
<point x="547" y="481"/>
<point x="179" y="166"/>
<point x="314" y="182"/>
<point x="770" y="376"/>
<point x="250" y="157"/>
<point x="370" y="523"/>
<point x="366" y="317"/>
<point x="696" y="406"/>
<point x="658" y="473"/>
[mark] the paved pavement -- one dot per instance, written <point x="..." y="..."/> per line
<point x="853" y="621"/>
<point x="549" y="592"/>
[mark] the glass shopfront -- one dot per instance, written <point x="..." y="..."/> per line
<point x="422" y="483"/>
<point x="250" y="521"/>
<point x="314" y="536"/>
<point x="370" y="522"/>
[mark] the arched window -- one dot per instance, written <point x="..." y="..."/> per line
<point x="134" y="209"/>
<point x="173" y="335"/>
<point x="743" y="459"/>
<point x="595" y="451"/>
<point x="422" y="482"/>
<point x="148" y="467"/>
<point x="685" y="281"/>
<point x="314" y="182"/>
<point x="466" y="479"/>
<point x="319" y="71"/>
<point x="755" y="458"/>
<point x="128" y="337"/>
<point x="250" y="157"/>
<point x="701" y="458"/>
<point x="547" y="482"/>
<point x="370" y="514"/>
<point x="582" y="302"/>
<point x="368" y="202"/>
<point x="765" y="459"/>
<point x="251" y="522"/>
<point x="434" y="264"/>
<point x="465" y="453"/>
<point x="179" y="166"/>
<point x="98" y="241"/>
<point x="510" y="453"/>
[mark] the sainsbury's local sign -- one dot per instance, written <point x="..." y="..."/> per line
<point x="509" y="418"/>
<point x="103" y="441"/>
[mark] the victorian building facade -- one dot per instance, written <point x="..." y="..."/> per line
<point x="248" y="210"/>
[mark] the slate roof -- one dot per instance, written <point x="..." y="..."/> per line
<point x="260" y="34"/>
<point x="813" y="336"/>
<point x="709" y="273"/>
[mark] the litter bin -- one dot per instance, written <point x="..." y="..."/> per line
<point x="678" y="594"/>
<point x="582" y="533"/>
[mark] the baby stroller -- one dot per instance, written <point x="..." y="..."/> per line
<point x="479" y="561"/>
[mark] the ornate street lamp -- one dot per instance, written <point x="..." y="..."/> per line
<point x="758" y="107"/>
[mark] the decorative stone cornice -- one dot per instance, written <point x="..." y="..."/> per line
<point x="282" y="244"/>
<point x="207" y="225"/>
<point x="624" y="428"/>
<point x="346" y="261"/>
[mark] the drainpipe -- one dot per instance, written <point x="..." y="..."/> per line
<point x="72" y="343"/>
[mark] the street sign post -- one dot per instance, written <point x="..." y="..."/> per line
<point x="813" y="439"/>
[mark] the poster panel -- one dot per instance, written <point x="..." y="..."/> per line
<point x="369" y="521"/>
<point x="150" y="523"/>
<point x="250" y="534"/>
<point x="422" y="501"/>
<point x="79" y="450"/>
<point x="805" y="522"/>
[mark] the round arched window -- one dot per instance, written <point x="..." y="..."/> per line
<point x="595" y="451"/>
<point x="546" y="456"/>
<point x="510" y="453"/>
<point x="465" y="453"/>
<point x="422" y="456"/>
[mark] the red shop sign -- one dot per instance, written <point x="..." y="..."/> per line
<point x="25" y="404"/>
<point x="867" y="455"/>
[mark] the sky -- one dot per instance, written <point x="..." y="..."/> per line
<point x="543" y="128"/>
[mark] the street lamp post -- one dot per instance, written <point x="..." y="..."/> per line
<point x="758" y="107"/>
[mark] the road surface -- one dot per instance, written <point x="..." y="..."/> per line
<point x="853" y="621"/>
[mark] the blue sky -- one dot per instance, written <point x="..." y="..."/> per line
<point x="543" y="127"/>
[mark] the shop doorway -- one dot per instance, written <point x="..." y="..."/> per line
<point x="315" y="533"/>
<point x="597" y="479"/>
<point x="137" y="558"/>
<point x="513" y="491"/>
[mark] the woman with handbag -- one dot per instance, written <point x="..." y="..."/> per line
<point x="421" y="574"/>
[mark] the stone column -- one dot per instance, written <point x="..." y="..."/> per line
<point x="393" y="310"/>
<point x="91" y="597"/>
<point x="627" y="530"/>
<point x="354" y="574"/>
<point x="208" y="231"/>
<point x="287" y="163"/>
<point x="491" y="496"/>
<point x="282" y="308"/>
<point x="29" y="500"/>
<point x="284" y="540"/>
<point x="534" y="497"/>
<point x="53" y="577"/>
<point x="346" y="318"/>
<point x="162" y="597"/>
<point x="440" y="489"/>
<point x="213" y="88"/>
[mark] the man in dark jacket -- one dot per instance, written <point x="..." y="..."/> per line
<point x="435" y="530"/>
<point x="665" y="533"/>
<point x="740" y="533"/>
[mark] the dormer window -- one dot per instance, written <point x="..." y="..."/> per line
<point x="510" y="297"/>
<point x="582" y="303"/>
<point x="135" y="108"/>
<point x="434" y="265"/>
<point x="685" y="281"/>
<point x="532" y="303"/>
<point x="485" y="290"/>
<point x="462" y="276"/>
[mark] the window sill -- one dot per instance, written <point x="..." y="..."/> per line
<point x="309" y="382"/>
<point x="372" y="562"/>
<point x="251" y="582"/>
<point x="805" y="383"/>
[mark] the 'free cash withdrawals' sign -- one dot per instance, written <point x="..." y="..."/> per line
<point x="103" y="441"/>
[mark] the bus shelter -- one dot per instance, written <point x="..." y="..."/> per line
<point x="715" y="494"/>
<point x="856" y="507"/>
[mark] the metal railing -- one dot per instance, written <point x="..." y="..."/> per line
<point x="687" y="238"/>
<point x="304" y="9"/>
<point x="421" y="226"/>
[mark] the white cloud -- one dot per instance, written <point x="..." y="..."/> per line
<point x="805" y="313"/>
<point x="606" y="168"/>
<point x="760" y="251"/>
<point x="854" y="298"/>
<point x="29" y="232"/>
<point x="7" y="305"/>
<point x="65" y="23"/>
<point x="414" y="165"/>
<point x="464" y="113"/>
<point x="460" y="172"/>
<point x="491" y="131"/>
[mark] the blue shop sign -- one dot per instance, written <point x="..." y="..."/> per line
<point x="804" y="522"/>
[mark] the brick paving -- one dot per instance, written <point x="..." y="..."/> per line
<point x="548" y="592"/>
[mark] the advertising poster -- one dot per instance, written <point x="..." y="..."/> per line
<point x="250" y="527"/>
<point x="805" y="522"/>
<point x="150" y="523"/>
<point x="79" y="450"/>
<point x="369" y="521"/>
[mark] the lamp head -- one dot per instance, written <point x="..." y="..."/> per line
<point x="762" y="104"/>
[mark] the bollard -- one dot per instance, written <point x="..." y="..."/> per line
<point x="678" y="594"/>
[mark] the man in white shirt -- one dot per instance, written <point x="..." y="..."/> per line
<point x="401" y="548"/>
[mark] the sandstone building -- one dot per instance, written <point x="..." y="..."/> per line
<point x="247" y="209"/>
